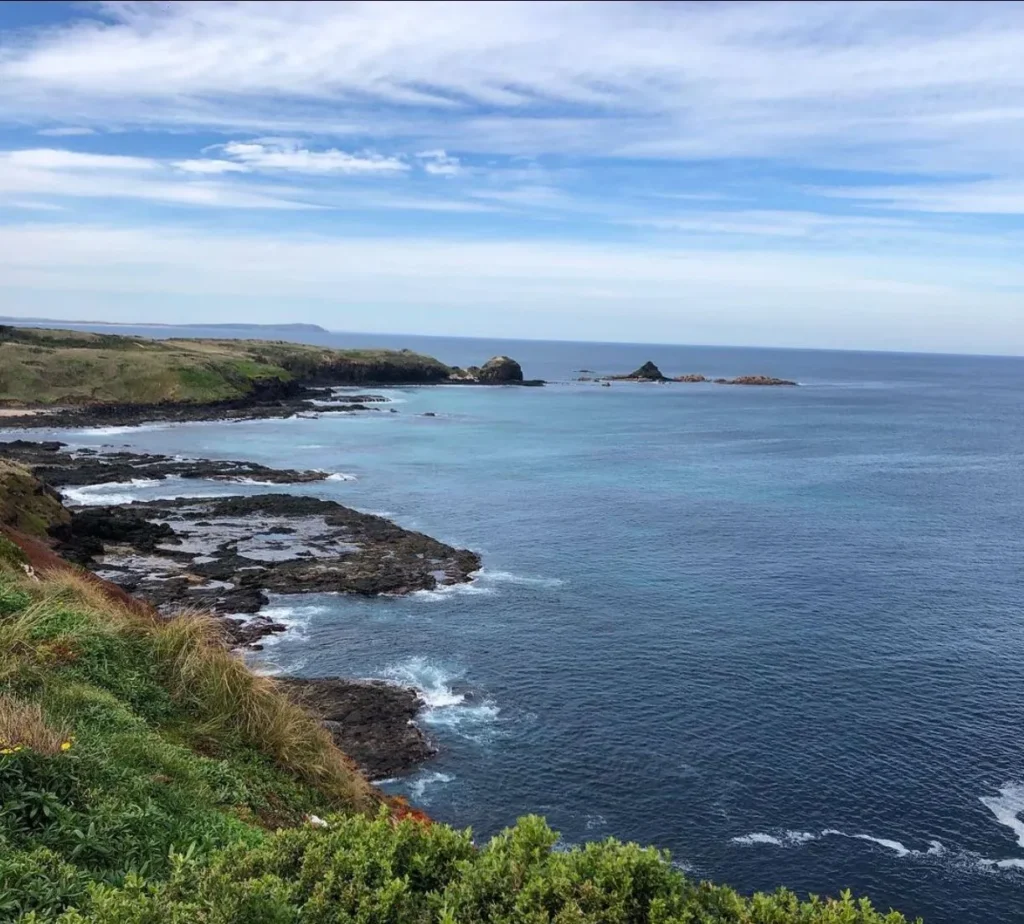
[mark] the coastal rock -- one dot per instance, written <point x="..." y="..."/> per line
<point x="500" y="370"/>
<point x="57" y="466"/>
<point x="648" y="372"/>
<point x="370" y="720"/>
<point x="754" y="380"/>
<point x="226" y="554"/>
<point x="692" y="377"/>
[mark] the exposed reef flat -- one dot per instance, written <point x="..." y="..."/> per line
<point x="59" y="466"/>
<point x="226" y="554"/>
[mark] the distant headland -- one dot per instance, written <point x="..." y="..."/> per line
<point x="265" y="328"/>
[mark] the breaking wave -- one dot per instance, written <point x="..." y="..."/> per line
<point x="446" y="707"/>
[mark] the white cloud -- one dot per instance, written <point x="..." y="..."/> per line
<point x="986" y="197"/>
<point x="286" y="155"/>
<point x="55" y="159"/>
<point x="68" y="131"/>
<point x="70" y="174"/>
<point x="871" y="83"/>
<point x="440" y="163"/>
<point x="209" y="165"/>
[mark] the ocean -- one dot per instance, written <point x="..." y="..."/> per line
<point x="776" y="631"/>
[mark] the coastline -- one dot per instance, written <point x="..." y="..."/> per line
<point x="226" y="554"/>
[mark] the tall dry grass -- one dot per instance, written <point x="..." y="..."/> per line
<point x="225" y="695"/>
<point x="219" y="690"/>
<point x="23" y="725"/>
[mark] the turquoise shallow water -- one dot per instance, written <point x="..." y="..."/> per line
<point x="777" y="631"/>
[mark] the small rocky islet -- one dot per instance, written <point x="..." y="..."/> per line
<point x="649" y="372"/>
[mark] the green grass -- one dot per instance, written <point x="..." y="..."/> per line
<point x="40" y="367"/>
<point x="174" y="746"/>
<point x="26" y="505"/>
<point x="148" y="777"/>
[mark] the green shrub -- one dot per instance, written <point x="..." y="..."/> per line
<point x="363" y="871"/>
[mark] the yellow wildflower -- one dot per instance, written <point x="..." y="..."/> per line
<point x="65" y="746"/>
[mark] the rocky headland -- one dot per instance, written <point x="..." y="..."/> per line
<point x="65" y="378"/>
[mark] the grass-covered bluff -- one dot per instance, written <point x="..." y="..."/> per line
<point x="41" y="367"/>
<point x="147" y="776"/>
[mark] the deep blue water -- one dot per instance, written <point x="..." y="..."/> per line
<point x="776" y="631"/>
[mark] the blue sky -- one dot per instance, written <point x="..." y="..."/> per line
<point x="792" y="174"/>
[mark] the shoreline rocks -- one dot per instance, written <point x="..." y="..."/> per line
<point x="59" y="467"/>
<point x="371" y="721"/>
<point x="226" y="554"/>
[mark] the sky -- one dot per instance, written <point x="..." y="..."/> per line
<point x="837" y="175"/>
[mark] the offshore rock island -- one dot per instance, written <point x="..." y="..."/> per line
<point x="649" y="372"/>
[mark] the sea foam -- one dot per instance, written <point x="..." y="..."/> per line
<point x="445" y="707"/>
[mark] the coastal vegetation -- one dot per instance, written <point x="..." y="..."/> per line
<point x="148" y="776"/>
<point x="44" y="367"/>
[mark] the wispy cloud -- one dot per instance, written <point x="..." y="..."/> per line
<point x="71" y="174"/>
<point x="440" y="163"/>
<point x="667" y="80"/>
<point x="289" y="155"/>
<point x="68" y="131"/>
<point x="983" y="197"/>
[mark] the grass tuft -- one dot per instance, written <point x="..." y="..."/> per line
<point x="23" y="725"/>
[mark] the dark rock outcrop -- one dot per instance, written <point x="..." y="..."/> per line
<point x="648" y="372"/>
<point x="57" y="466"/>
<point x="370" y="720"/>
<point x="226" y="554"/>
<point x="500" y="370"/>
<point x="754" y="380"/>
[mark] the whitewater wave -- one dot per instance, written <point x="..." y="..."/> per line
<point x="796" y="838"/>
<point x="114" y="492"/>
<point x="1008" y="807"/>
<point x="296" y="619"/>
<point x="119" y="430"/>
<point x="507" y="577"/>
<point x="341" y="476"/>
<point x="419" y="786"/>
<point x="444" y="591"/>
<point x="446" y="707"/>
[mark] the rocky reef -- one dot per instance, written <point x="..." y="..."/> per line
<point x="226" y="554"/>
<point x="55" y="464"/>
<point x="754" y="380"/>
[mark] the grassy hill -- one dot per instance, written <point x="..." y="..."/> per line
<point x="147" y="776"/>
<point x="61" y="367"/>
